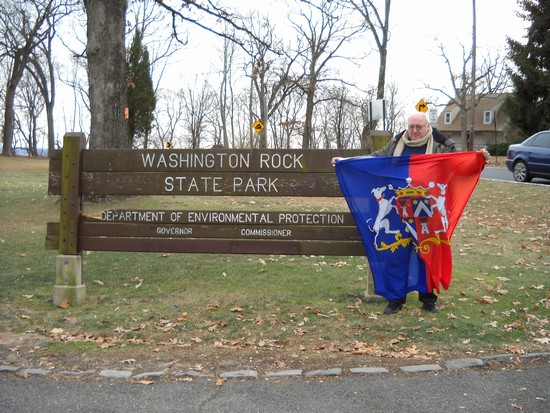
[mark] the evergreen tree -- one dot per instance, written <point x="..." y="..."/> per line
<point x="141" y="95"/>
<point x="529" y="105"/>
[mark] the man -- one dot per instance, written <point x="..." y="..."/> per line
<point x="419" y="138"/>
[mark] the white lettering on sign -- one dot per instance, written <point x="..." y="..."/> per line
<point x="132" y="216"/>
<point x="265" y="232"/>
<point x="179" y="160"/>
<point x="220" y="160"/>
<point x="229" y="217"/>
<point x="174" y="231"/>
<point x="254" y="185"/>
<point x="194" y="185"/>
<point x="301" y="218"/>
<point x="225" y="217"/>
<point x="204" y="184"/>
<point x="277" y="160"/>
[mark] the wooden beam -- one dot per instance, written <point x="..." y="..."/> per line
<point x="73" y="145"/>
<point x="223" y="246"/>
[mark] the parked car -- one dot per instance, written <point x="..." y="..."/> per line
<point x="531" y="158"/>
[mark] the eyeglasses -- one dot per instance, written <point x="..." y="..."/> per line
<point x="417" y="127"/>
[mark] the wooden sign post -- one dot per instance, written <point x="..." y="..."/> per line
<point x="68" y="279"/>
<point x="76" y="172"/>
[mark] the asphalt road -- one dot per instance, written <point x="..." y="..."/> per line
<point x="470" y="390"/>
<point x="503" y="174"/>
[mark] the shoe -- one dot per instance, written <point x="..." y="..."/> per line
<point x="430" y="307"/>
<point x="393" y="308"/>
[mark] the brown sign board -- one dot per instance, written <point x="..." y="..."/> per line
<point x="212" y="172"/>
<point x="205" y="172"/>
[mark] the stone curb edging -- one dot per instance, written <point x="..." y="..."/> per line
<point x="253" y="374"/>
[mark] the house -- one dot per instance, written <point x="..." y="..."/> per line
<point x="491" y="123"/>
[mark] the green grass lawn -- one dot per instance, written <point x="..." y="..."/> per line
<point x="288" y="305"/>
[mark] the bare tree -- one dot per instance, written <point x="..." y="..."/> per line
<point x="287" y="125"/>
<point x="75" y="74"/>
<point x="211" y="17"/>
<point x="168" y="119"/>
<point x="23" y="27"/>
<point x="197" y="104"/>
<point x="396" y="111"/>
<point x="376" y="21"/>
<point x="226" y="93"/>
<point x="334" y="116"/>
<point x="491" y="77"/>
<point x="41" y="66"/>
<point x="147" y="17"/>
<point x="378" y="24"/>
<point x="241" y="120"/>
<point x="77" y="81"/>
<point x="30" y="105"/>
<point x="322" y="31"/>
<point x="272" y="77"/>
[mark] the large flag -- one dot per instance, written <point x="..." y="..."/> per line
<point x="406" y="209"/>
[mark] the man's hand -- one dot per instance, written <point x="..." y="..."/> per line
<point x="336" y="158"/>
<point x="486" y="155"/>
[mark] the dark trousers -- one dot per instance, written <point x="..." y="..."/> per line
<point x="427" y="298"/>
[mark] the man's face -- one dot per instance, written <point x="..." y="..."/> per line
<point x="416" y="129"/>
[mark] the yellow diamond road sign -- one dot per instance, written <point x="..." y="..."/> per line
<point x="422" y="106"/>
<point x="258" y="126"/>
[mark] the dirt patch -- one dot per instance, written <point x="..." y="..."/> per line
<point x="30" y="350"/>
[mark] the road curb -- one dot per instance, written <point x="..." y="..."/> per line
<point x="335" y="372"/>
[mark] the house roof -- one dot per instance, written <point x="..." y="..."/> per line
<point x="488" y="103"/>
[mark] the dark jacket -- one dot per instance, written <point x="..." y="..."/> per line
<point x="442" y="144"/>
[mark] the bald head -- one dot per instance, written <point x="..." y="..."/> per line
<point x="417" y="118"/>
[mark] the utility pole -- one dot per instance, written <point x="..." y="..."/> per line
<point x="473" y="80"/>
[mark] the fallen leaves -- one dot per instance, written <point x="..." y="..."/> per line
<point x="146" y="382"/>
<point x="64" y="304"/>
<point x="213" y="306"/>
<point x="486" y="300"/>
<point x="370" y="349"/>
<point x="517" y="406"/>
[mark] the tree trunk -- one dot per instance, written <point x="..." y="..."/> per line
<point x="9" y="115"/>
<point x="308" y="121"/>
<point x="9" y="110"/>
<point x="106" y="51"/>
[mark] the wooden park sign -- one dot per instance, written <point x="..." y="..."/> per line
<point x="76" y="172"/>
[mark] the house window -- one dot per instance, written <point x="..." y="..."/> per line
<point x="487" y="117"/>
<point x="447" y="118"/>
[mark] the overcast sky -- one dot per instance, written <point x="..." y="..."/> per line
<point x="417" y="28"/>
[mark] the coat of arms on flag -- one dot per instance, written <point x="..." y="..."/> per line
<point x="422" y="212"/>
<point x="406" y="209"/>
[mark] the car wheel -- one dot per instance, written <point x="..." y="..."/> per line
<point x="520" y="172"/>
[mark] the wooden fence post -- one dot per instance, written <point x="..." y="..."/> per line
<point x="68" y="280"/>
